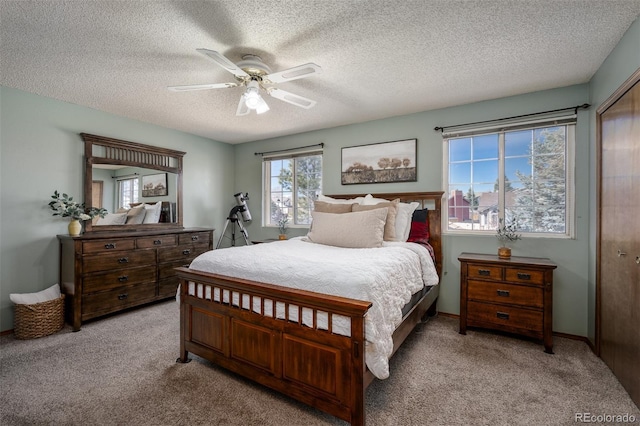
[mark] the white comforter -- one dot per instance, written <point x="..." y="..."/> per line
<point x="385" y="276"/>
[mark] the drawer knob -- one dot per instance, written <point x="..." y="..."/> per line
<point x="110" y="246"/>
<point x="502" y="315"/>
<point x="123" y="278"/>
<point x="503" y="293"/>
<point x="195" y="238"/>
<point x="523" y="276"/>
<point x="186" y="252"/>
<point x="484" y="272"/>
<point x="157" y="242"/>
<point x="122" y="296"/>
<point x="123" y="260"/>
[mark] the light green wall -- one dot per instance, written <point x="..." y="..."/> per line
<point x="621" y="63"/>
<point x="571" y="277"/>
<point x="41" y="150"/>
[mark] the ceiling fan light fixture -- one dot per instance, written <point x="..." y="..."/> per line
<point x="251" y="95"/>
<point x="262" y="107"/>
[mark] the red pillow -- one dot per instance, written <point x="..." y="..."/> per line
<point x="419" y="227"/>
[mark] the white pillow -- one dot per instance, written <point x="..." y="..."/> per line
<point x="113" y="219"/>
<point x="351" y="230"/>
<point x="403" y="220"/>
<point x="369" y="200"/>
<point x="152" y="214"/>
<point x="403" y="217"/>
<point x="45" y="295"/>
<point x="340" y="201"/>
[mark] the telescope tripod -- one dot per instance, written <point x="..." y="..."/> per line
<point x="233" y="219"/>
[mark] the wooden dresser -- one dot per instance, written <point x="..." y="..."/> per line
<point x="513" y="295"/>
<point x="106" y="272"/>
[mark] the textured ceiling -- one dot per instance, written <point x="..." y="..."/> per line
<point x="379" y="58"/>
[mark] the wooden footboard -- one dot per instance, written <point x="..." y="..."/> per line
<point x="279" y="337"/>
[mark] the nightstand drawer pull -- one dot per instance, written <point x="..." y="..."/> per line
<point x="484" y="272"/>
<point x="122" y="296"/>
<point x="523" y="276"/>
<point x="123" y="278"/>
<point x="123" y="260"/>
<point x="157" y="242"/>
<point x="186" y="252"/>
<point x="503" y="293"/>
<point x="502" y="315"/>
<point x="195" y="238"/>
<point x="110" y="246"/>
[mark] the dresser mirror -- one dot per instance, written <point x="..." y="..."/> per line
<point x="127" y="178"/>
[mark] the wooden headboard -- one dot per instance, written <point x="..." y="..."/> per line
<point x="430" y="200"/>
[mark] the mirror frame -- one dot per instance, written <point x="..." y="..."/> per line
<point x="131" y="154"/>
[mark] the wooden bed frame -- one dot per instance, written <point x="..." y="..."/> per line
<point x="312" y="365"/>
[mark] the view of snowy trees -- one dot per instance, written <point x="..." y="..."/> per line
<point x="295" y="183"/>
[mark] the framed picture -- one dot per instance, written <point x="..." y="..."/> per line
<point x="380" y="163"/>
<point x="155" y="185"/>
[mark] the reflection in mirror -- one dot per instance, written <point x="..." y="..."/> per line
<point x="122" y="189"/>
<point x="139" y="185"/>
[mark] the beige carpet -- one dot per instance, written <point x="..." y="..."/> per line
<point x="121" y="370"/>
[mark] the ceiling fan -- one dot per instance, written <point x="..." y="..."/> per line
<point x="254" y="74"/>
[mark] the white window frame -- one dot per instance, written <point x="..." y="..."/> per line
<point x="569" y="175"/>
<point x="135" y="195"/>
<point x="266" y="185"/>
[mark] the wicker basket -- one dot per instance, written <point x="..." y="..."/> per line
<point x="39" y="319"/>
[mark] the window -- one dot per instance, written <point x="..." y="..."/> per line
<point x="519" y="174"/>
<point x="127" y="192"/>
<point x="291" y="184"/>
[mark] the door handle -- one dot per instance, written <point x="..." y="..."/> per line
<point x="620" y="253"/>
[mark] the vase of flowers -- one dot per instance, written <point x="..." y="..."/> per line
<point x="283" y="221"/>
<point x="63" y="205"/>
<point x="507" y="233"/>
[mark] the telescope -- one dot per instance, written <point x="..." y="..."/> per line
<point x="241" y="201"/>
<point x="242" y="208"/>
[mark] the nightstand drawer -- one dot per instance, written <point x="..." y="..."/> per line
<point x="485" y="271"/>
<point x="506" y="293"/>
<point x="486" y="314"/>
<point x="528" y="276"/>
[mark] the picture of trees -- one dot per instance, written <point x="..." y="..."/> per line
<point x="380" y="163"/>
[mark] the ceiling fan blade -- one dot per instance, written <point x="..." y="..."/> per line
<point x="289" y="97"/>
<point x="224" y="62"/>
<point x="294" y="73"/>
<point x="243" y="109"/>
<point x="201" y="87"/>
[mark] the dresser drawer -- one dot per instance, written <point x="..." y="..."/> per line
<point x="168" y="287"/>
<point x="107" y="262"/>
<point x="505" y="317"/>
<point x="528" y="276"/>
<point x="118" y="298"/>
<point x="194" y="238"/>
<point x="156" y="241"/>
<point x="103" y="246"/>
<point x="505" y="293"/>
<point x="106" y="281"/>
<point x="184" y="252"/>
<point x="485" y="271"/>
<point x="166" y="270"/>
